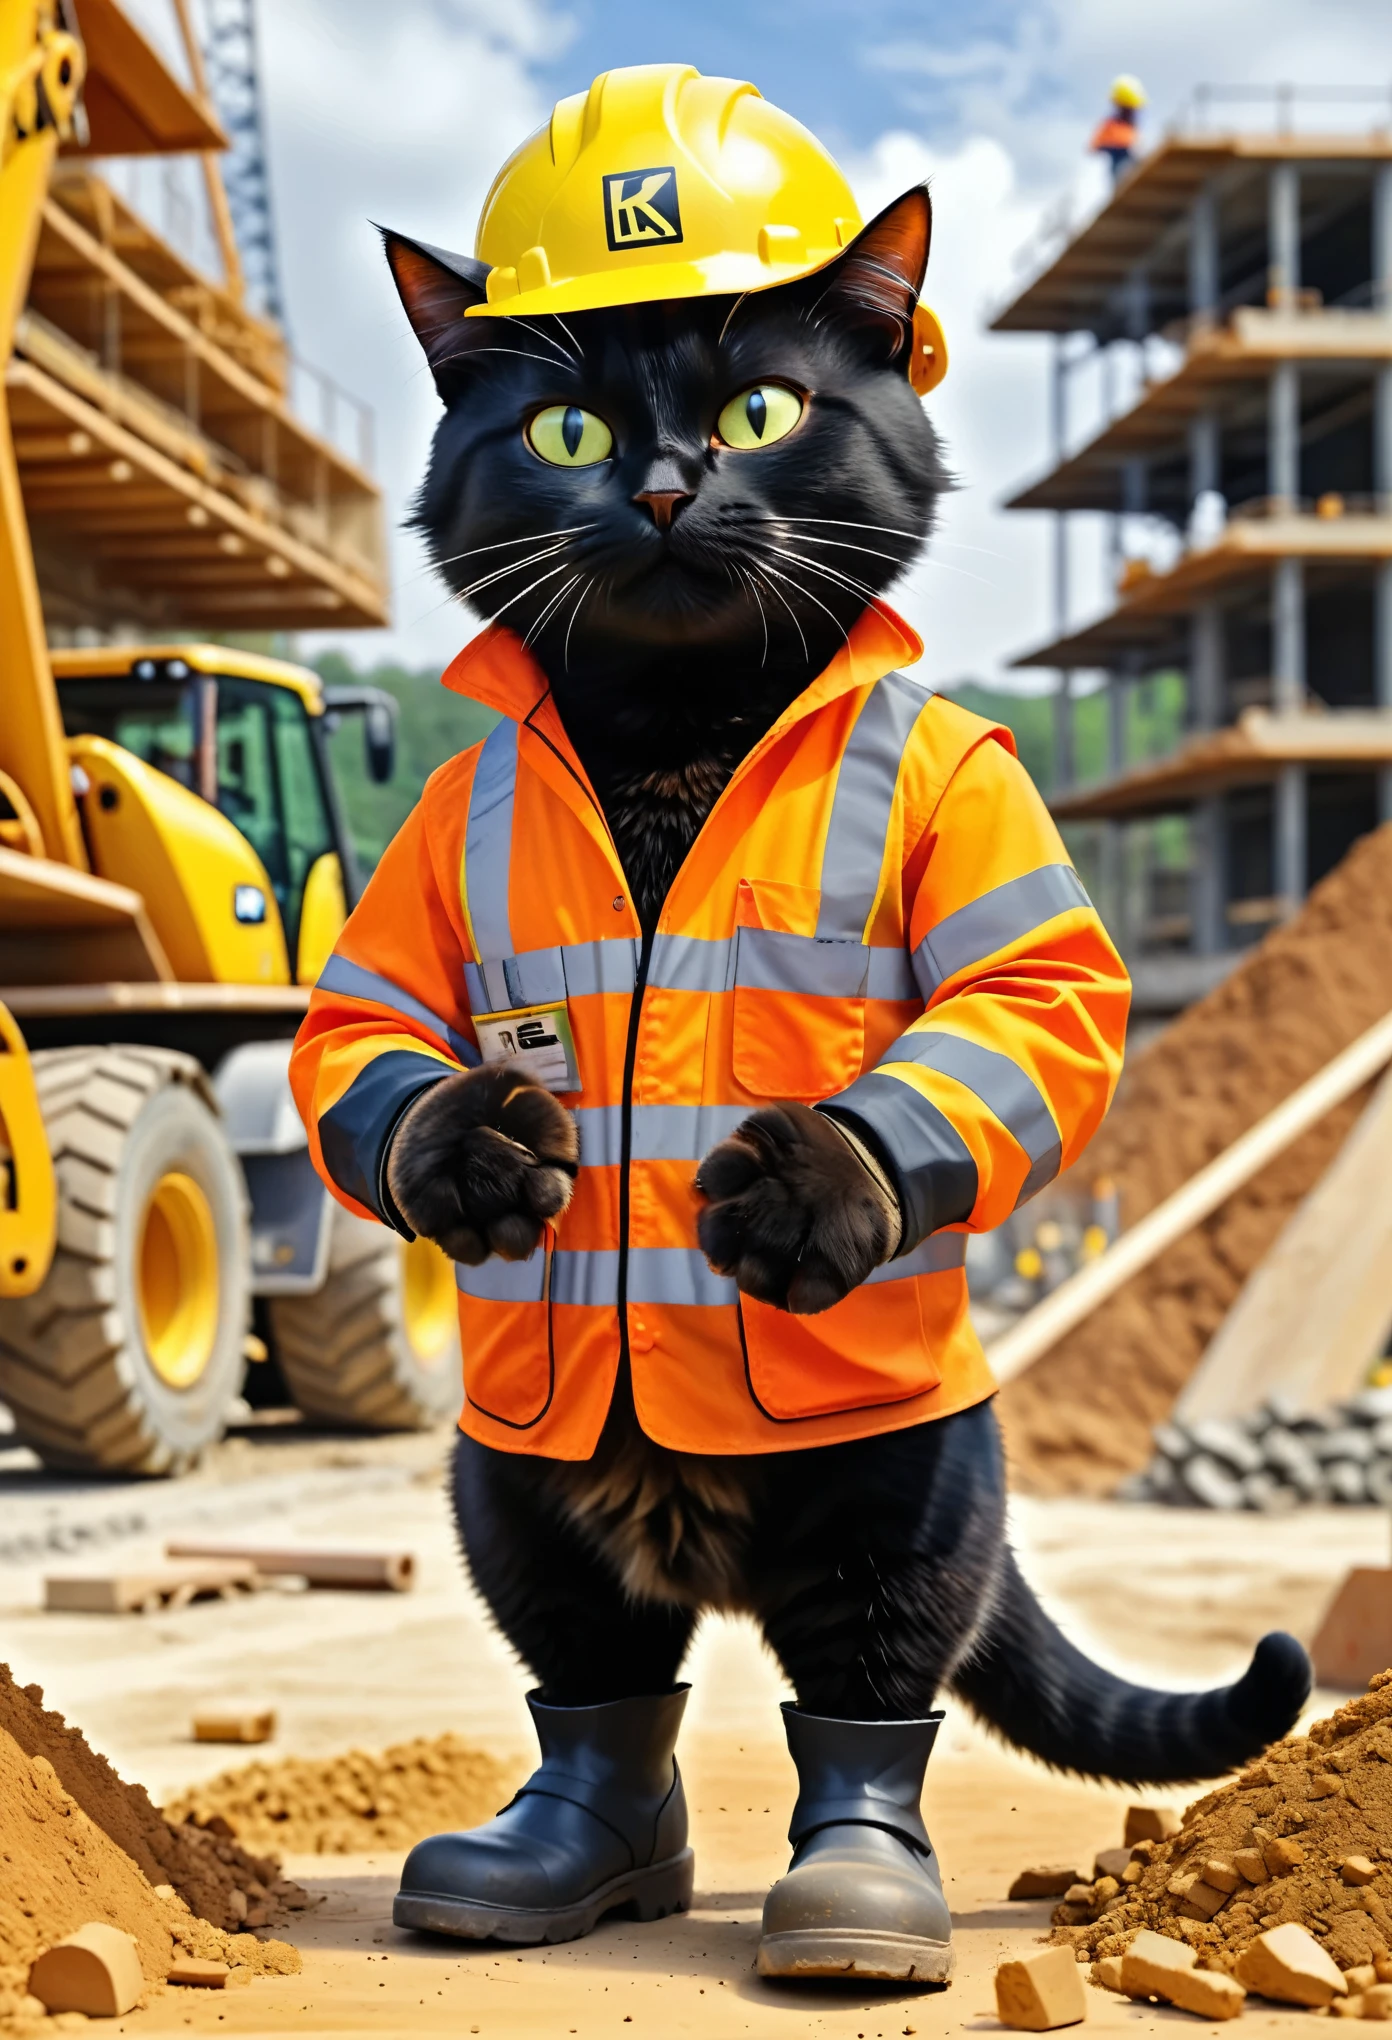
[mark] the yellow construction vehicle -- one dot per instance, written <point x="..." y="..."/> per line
<point x="174" y="863"/>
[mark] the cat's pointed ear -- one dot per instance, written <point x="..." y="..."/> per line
<point x="437" y="288"/>
<point x="876" y="282"/>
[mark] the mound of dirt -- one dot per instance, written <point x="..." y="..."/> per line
<point x="60" y="1867"/>
<point x="1304" y="1834"/>
<point x="1082" y="1417"/>
<point x="357" y="1802"/>
<point x="215" y="1877"/>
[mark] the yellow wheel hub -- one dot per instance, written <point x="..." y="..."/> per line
<point x="430" y="1304"/>
<point x="177" y="1280"/>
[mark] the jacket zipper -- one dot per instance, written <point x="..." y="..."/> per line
<point x="635" y="1012"/>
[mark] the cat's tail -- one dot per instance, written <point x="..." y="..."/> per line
<point x="1025" y="1678"/>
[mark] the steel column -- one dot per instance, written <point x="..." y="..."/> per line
<point x="1283" y="236"/>
<point x="1204" y="270"/>
<point x="1289" y="859"/>
<point x="1063" y="699"/>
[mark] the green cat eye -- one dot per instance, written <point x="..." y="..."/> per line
<point x="569" y="437"/>
<point x="759" y="416"/>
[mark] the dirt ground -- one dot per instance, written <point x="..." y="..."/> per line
<point x="1173" y="1596"/>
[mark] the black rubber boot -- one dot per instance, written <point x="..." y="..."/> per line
<point x="862" y="1896"/>
<point x="601" y="1825"/>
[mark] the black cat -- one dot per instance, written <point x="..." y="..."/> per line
<point x="677" y="603"/>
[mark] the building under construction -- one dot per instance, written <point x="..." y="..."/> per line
<point x="1258" y="265"/>
<point x="168" y="482"/>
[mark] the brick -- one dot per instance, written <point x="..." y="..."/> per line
<point x="1288" y="1964"/>
<point x="1222" y="1875"/>
<point x="1106" y="1972"/>
<point x="1150" y="1824"/>
<point x="1202" y="1900"/>
<point x="1281" y="1853"/>
<point x="233" y="1724"/>
<point x="1156" y="1966"/>
<point x="96" y="1971"/>
<point x="1111" y="1863"/>
<point x="1252" y="1865"/>
<point x="197" y="1974"/>
<point x="1048" y="1881"/>
<point x="1041" y="1991"/>
<point x="1357" y="1870"/>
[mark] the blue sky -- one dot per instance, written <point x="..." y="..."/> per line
<point x="829" y="62"/>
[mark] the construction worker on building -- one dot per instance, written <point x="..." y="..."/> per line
<point x="1117" y="135"/>
<point x="706" y="1129"/>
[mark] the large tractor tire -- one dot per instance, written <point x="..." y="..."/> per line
<point x="377" y="1348"/>
<point x="127" y="1358"/>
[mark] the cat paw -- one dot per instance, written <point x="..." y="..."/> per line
<point x="792" y="1214"/>
<point x="481" y="1161"/>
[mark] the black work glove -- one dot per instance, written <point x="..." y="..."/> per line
<point x="796" y="1213"/>
<point x="480" y="1161"/>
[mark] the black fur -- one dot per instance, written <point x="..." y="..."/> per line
<point x="679" y="596"/>
<point x="880" y="1574"/>
<point x="784" y="1164"/>
<point x="481" y="1161"/>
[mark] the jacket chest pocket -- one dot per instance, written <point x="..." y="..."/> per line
<point x="869" y="1350"/>
<point x="506" y="1333"/>
<point x="799" y="1000"/>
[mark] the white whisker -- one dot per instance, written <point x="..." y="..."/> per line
<point x="579" y="350"/>
<point x="545" y="552"/>
<point x="573" y="614"/>
<point x="539" y="623"/>
<point x="764" y="577"/>
<point x="833" y="574"/>
<point x="531" y="538"/>
<point x="529" y="587"/>
<point x="549" y="340"/>
<point x="793" y="582"/>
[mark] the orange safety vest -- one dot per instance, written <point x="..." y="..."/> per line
<point x="878" y="912"/>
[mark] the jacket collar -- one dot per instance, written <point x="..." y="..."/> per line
<point x="494" y="668"/>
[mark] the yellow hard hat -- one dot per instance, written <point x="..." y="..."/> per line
<point x="661" y="183"/>
<point x="1128" y="91"/>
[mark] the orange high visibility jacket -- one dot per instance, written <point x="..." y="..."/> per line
<point x="878" y="913"/>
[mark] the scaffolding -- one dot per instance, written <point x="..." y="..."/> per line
<point x="1242" y="280"/>
<point x="233" y="72"/>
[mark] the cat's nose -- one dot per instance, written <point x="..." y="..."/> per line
<point x="663" y="504"/>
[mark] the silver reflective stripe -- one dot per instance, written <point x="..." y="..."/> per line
<point x="862" y="804"/>
<point x="351" y="981"/>
<point x="497" y="1281"/>
<point x="936" y="1255"/>
<point x="676" y="1275"/>
<point x="767" y="959"/>
<point x="660" y="1275"/>
<point x="660" y="1133"/>
<point x="488" y="848"/>
<point x="991" y="923"/>
<point x="691" y="963"/>
<point x="540" y="977"/>
<point x="1003" y="1088"/>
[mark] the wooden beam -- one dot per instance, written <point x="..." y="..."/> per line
<point x="1041" y="1329"/>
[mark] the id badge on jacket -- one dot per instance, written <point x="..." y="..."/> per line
<point x="537" y="1038"/>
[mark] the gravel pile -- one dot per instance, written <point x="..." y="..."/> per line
<point x="1277" y="1459"/>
